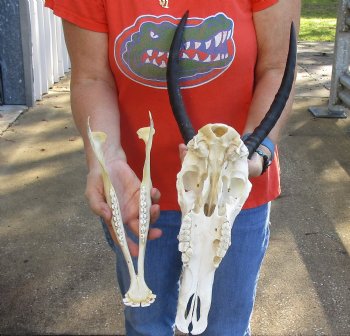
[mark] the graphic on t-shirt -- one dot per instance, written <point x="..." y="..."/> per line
<point x="141" y="50"/>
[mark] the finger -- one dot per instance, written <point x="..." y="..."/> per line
<point x="133" y="225"/>
<point x="154" y="233"/>
<point x="155" y="195"/>
<point x="154" y="213"/>
<point x="99" y="206"/>
<point x="133" y="247"/>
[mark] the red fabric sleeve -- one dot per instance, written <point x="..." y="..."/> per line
<point x="87" y="14"/>
<point x="258" y="5"/>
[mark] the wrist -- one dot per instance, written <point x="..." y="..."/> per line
<point x="110" y="154"/>
<point x="266" y="158"/>
<point x="267" y="145"/>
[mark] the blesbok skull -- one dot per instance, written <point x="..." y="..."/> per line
<point x="138" y="294"/>
<point x="212" y="188"/>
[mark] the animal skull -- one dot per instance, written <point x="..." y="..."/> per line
<point x="212" y="188"/>
<point x="138" y="294"/>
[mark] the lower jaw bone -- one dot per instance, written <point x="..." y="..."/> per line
<point x="212" y="188"/>
<point x="138" y="294"/>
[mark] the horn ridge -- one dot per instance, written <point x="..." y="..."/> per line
<point x="269" y="121"/>
<point x="174" y="91"/>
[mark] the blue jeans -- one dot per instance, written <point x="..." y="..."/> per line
<point x="234" y="285"/>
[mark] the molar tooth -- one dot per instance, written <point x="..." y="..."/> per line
<point x="185" y="258"/>
<point x="186" y="225"/>
<point x="225" y="239"/>
<point x="183" y="246"/>
<point x="185" y="232"/>
<point x="189" y="252"/>
<point x="224" y="245"/>
<point x="220" y="253"/>
<point x="226" y="232"/>
<point x="226" y="225"/>
<point x="184" y="238"/>
<point x="187" y="219"/>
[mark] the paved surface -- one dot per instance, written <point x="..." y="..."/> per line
<point x="57" y="273"/>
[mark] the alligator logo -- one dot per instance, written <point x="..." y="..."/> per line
<point x="141" y="51"/>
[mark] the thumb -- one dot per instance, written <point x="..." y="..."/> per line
<point x="182" y="151"/>
<point x="99" y="206"/>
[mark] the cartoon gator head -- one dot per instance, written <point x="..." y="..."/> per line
<point x="141" y="51"/>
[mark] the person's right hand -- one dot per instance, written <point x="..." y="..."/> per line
<point x="127" y="188"/>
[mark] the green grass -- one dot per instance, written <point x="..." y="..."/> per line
<point x="318" y="20"/>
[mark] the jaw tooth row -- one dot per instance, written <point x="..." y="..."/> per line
<point x="116" y="218"/>
<point x="143" y="214"/>
<point x="225" y="240"/>
<point x="185" y="240"/>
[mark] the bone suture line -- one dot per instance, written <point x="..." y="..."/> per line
<point x="138" y="294"/>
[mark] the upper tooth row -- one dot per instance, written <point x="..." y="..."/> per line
<point x="225" y="239"/>
<point x="219" y="38"/>
<point x="185" y="240"/>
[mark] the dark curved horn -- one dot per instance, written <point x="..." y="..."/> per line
<point x="174" y="91"/>
<point x="261" y="132"/>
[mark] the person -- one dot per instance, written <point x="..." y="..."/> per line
<point x="235" y="55"/>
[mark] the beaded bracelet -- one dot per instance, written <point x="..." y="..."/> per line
<point x="266" y="142"/>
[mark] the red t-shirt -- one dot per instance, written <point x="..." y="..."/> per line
<point x="218" y="74"/>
